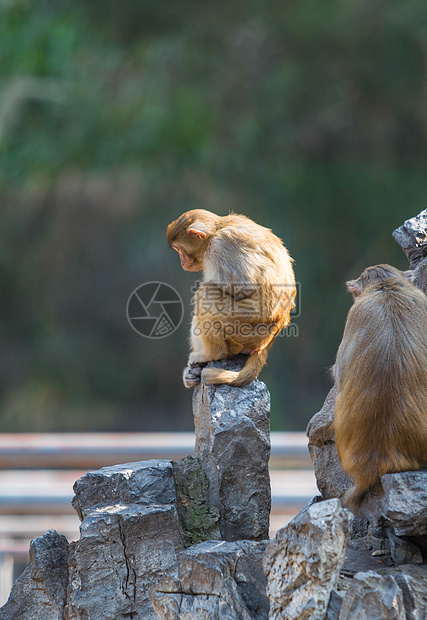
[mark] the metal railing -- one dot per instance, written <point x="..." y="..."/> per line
<point x="94" y="450"/>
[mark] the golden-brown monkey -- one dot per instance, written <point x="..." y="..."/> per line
<point x="245" y="297"/>
<point x="381" y="378"/>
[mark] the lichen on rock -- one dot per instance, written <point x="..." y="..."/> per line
<point x="199" y="521"/>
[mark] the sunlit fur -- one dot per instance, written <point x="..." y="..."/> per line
<point x="381" y="377"/>
<point x="233" y="250"/>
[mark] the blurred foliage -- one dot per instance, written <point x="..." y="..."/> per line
<point x="309" y="117"/>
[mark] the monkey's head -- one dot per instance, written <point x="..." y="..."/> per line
<point x="190" y="236"/>
<point x="375" y="275"/>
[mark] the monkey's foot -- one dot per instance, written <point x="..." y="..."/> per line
<point x="191" y="376"/>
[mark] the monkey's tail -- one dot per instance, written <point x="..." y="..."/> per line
<point x="249" y="372"/>
<point x="356" y="496"/>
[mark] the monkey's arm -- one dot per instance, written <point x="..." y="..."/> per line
<point x="233" y="257"/>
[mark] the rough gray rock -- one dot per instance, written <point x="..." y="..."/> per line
<point x="122" y="551"/>
<point x="364" y="594"/>
<point x="336" y="598"/>
<point x="412" y="237"/>
<point x="214" y="580"/>
<point x="402" y="513"/>
<point x="334" y="606"/>
<point x="144" y="482"/>
<point x="403" y="551"/>
<point x="372" y="596"/>
<point x="304" y="560"/>
<point x="40" y="592"/>
<point x="412" y="580"/>
<point x="419" y="272"/>
<point x="330" y="477"/>
<point x="365" y="554"/>
<point x="403" y="506"/>
<point x="233" y="443"/>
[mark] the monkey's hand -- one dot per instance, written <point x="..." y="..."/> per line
<point x="197" y="358"/>
<point x="191" y="375"/>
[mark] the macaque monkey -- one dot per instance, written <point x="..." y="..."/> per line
<point x="381" y="378"/>
<point x="245" y="297"/>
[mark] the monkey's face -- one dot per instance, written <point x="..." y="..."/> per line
<point x="188" y="262"/>
<point x="190" y="235"/>
<point x="354" y="287"/>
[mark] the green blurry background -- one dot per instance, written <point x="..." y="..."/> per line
<point x="115" y="117"/>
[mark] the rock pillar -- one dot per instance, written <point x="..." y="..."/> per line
<point x="233" y="444"/>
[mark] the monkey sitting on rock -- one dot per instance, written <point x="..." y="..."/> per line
<point x="245" y="297"/>
<point x="381" y="378"/>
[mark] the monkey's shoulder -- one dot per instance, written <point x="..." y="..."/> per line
<point x="247" y="239"/>
<point x="246" y="233"/>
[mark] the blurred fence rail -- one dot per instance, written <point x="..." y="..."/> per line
<point x="89" y="450"/>
<point x="38" y="470"/>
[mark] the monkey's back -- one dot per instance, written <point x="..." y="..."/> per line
<point x="249" y="255"/>
<point x="381" y="375"/>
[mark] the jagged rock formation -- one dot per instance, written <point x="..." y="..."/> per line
<point x="143" y="483"/>
<point x="404" y="503"/>
<point x="122" y="551"/>
<point x="138" y="519"/>
<point x="330" y="478"/>
<point x="371" y="593"/>
<point x="402" y="514"/>
<point x="214" y="580"/>
<point x="304" y="560"/>
<point x="40" y="593"/>
<point x="412" y="237"/>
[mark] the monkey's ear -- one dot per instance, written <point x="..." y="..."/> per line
<point x="198" y="231"/>
<point x="409" y="275"/>
<point x="353" y="287"/>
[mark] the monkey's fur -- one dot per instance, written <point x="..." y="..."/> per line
<point x="381" y="378"/>
<point x="245" y="297"/>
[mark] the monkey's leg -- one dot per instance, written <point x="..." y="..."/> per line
<point x="208" y="350"/>
<point x="199" y="358"/>
<point x="197" y="355"/>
